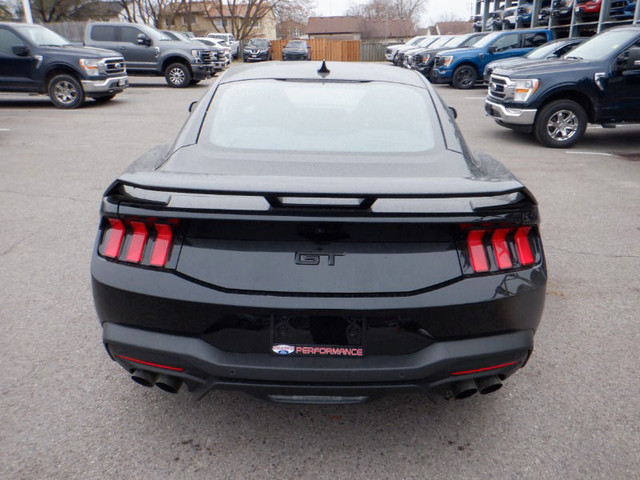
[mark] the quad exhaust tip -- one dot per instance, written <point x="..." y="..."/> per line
<point x="464" y="389"/>
<point x="144" y="378"/>
<point x="488" y="384"/>
<point x="168" y="383"/>
<point x="483" y="385"/>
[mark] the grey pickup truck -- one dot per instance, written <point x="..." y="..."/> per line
<point x="149" y="52"/>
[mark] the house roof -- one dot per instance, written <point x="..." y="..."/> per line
<point x="328" y="25"/>
<point x="366" y="28"/>
<point x="454" y="28"/>
<point x="388" y="28"/>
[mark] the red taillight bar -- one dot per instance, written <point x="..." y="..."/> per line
<point x="162" y="245"/>
<point x="138" y="236"/>
<point x="142" y="362"/>
<point x="501" y="248"/>
<point x="477" y="370"/>
<point x="476" y="250"/>
<point x="523" y="246"/>
<point x="114" y="242"/>
<point x="138" y="240"/>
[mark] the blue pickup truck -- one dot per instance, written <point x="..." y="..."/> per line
<point x="463" y="68"/>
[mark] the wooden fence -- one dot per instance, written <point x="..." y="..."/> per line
<point x="321" y="49"/>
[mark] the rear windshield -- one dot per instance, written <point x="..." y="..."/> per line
<point x="347" y="117"/>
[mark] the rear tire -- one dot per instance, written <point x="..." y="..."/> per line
<point x="560" y="124"/>
<point x="177" y="75"/>
<point x="65" y="91"/>
<point x="464" y="77"/>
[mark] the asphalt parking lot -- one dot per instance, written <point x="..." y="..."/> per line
<point x="68" y="412"/>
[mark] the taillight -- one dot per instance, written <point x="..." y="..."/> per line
<point x="494" y="249"/>
<point x="114" y="237"/>
<point x="146" y="242"/>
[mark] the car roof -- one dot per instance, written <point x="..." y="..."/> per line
<point x="338" y="71"/>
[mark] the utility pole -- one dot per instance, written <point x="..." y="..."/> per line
<point x="26" y="6"/>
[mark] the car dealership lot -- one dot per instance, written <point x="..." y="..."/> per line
<point x="67" y="411"/>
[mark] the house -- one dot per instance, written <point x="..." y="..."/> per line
<point x="457" y="27"/>
<point x="205" y="17"/>
<point x="359" y="28"/>
<point x="335" y="28"/>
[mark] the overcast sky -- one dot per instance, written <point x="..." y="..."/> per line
<point x="435" y="8"/>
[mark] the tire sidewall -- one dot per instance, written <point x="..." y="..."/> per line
<point x="74" y="83"/>
<point x="459" y="85"/>
<point x="548" y="111"/>
<point x="186" y="75"/>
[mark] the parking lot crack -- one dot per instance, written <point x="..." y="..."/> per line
<point x="593" y="254"/>
<point x="40" y="195"/>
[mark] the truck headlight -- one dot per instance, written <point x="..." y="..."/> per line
<point x="197" y="54"/>
<point x="446" y="61"/>
<point x="521" y="90"/>
<point x="426" y="58"/>
<point x="90" y="65"/>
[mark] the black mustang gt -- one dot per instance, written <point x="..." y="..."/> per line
<point x="320" y="234"/>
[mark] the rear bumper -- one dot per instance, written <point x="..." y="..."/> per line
<point x="107" y="86"/>
<point x="433" y="370"/>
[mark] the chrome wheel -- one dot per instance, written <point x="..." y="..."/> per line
<point x="563" y="125"/>
<point x="176" y="76"/>
<point x="65" y="92"/>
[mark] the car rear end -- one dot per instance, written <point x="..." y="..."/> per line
<point x="318" y="280"/>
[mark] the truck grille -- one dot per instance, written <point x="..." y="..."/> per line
<point x="439" y="61"/>
<point x="497" y="87"/>
<point x="115" y="65"/>
<point x="619" y="4"/>
<point x="207" y="56"/>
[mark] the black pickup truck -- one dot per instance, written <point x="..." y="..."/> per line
<point x="598" y="82"/>
<point x="35" y="59"/>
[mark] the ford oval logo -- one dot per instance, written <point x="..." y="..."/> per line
<point x="283" y="349"/>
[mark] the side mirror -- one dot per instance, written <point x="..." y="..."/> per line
<point x="20" y="51"/>
<point x="192" y="106"/>
<point x="632" y="60"/>
<point x="143" y="39"/>
<point x="492" y="49"/>
<point x="454" y="112"/>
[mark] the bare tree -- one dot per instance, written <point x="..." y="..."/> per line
<point x="151" y="12"/>
<point x="49" y="11"/>
<point x="292" y="15"/>
<point x="388" y="9"/>
<point x="239" y="17"/>
<point x="6" y="12"/>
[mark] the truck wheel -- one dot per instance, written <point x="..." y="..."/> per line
<point x="65" y="91"/>
<point x="464" y="77"/>
<point x="177" y="75"/>
<point x="560" y="124"/>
